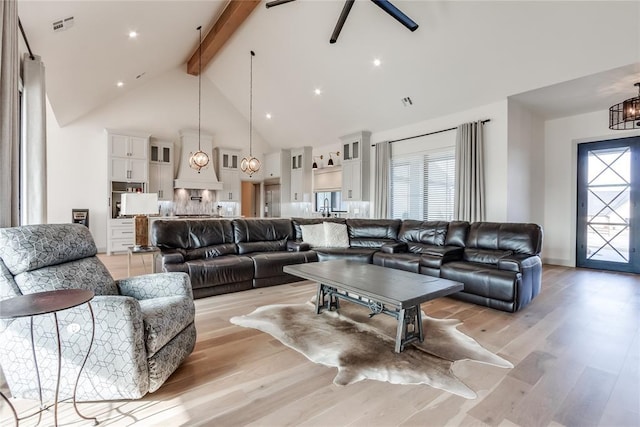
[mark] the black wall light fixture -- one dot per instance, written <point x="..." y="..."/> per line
<point x="626" y="115"/>
<point x="348" y="4"/>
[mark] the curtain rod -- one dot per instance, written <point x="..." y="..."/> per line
<point x="430" y="133"/>
<point x="24" y="36"/>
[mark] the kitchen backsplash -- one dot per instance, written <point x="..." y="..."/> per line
<point x="197" y="202"/>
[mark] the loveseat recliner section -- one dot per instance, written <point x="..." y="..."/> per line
<point x="499" y="263"/>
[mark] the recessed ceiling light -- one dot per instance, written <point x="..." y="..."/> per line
<point x="133" y="34"/>
<point x="318" y="91"/>
<point x="268" y="115"/>
<point x="377" y="62"/>
<point x="120" y="84"/>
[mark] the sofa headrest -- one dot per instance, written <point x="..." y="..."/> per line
<point x="517" y="237"/>
<point x="457" y="233"/>
<point x="425" y="232"/>
<point x="31" y="247"/>
<point x="262" y="230"/>
<point x="373" y="228"/>
<point x="191" y="234"/>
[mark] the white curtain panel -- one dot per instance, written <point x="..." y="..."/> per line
<point x="382" y="170"/>
<point x="33" y="167"/>
<point x="469" y="202"/>
<point x="9" y="105"/>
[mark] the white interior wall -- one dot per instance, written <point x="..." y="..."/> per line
<point x="77" y="153"/>
<point x="495" y="149"/>
<point x="525" y="177"/>
<point x="561" y="137"/>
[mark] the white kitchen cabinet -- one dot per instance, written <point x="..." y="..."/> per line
<point x="231" y="186"/>
<point x="130" y="170"/>
<point x="301" y="182"/>
<point x="228" y="170"/>
<point x="161" y="169"/>
<point x="161" y="180"/>
<point x="161" y="152"/>
<point x="120" y="234"/>
<point x="128" y="156"/>
<point x="273" y="165"/>
<point x="122" y="145"/>
<point x="228" y="158"/>
<point x="352" y="181"/>
<point x="355" y="167"/>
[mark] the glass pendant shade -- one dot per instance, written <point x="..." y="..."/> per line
<point x="198" y="160"/>
<point x="626" y="115"/>
<point x="250" y="165"/>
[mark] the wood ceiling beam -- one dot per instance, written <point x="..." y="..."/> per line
<point x="231" y="19"/>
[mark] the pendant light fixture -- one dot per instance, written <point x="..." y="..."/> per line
<point x="199" y="159"/>
<point x="626" y="115"/>
<point x="250" y="165"/>
<point x="330" y="162"/>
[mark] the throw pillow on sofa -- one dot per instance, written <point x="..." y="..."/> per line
<point x="336" y="235"/>
<point x="313" y="235"/>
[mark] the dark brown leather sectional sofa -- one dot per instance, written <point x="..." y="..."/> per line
<point x="498" y="263"/>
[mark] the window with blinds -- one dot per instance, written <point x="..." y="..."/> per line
<point x="423" y="185"/>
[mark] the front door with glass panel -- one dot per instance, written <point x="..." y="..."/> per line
<point x="608" y="224"/>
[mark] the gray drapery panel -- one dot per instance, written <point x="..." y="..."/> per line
<point x="381" y="195"/>
<point x="9" y="113"/>
<point x="33" y="152"/>
<point x="469" y="198"/>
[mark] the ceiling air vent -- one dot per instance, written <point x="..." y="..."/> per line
<point x="62" y="24"/>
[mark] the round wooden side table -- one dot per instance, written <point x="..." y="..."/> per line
<point x="49" y="302"/>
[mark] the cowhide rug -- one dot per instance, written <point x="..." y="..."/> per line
<point x="363" y="348"/>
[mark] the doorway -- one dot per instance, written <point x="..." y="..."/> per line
<point x="608" y="223"/>
<point x="250" y="199"/>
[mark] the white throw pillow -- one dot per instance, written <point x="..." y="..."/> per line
<point x="336" y="235"/>
<point x="313" y="234"/>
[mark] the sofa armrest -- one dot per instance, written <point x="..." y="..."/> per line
<point x="294" y="246"/>
<point x="394" y="248"/>
<point x="172" y="256"/>
<point x="448" y="253"/>
<point x="156" y="285"/>
<point x="518" y="262"/>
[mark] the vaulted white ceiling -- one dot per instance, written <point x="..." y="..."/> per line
<point x="463" y="55"/>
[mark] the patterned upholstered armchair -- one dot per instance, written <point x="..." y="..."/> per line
<point x="143" y="325"/>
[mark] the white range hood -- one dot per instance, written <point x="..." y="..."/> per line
<point x="189" y="178"/>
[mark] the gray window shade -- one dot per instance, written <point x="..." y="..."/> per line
<point x="423" y="184"/>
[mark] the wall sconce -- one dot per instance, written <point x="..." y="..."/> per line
<point x="315" y="165"/>
<point x="330" y="162"/>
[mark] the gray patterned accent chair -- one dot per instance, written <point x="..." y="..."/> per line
<point x="144" y="325"/>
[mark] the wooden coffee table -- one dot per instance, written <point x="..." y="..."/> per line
<point x="385" y="290"/>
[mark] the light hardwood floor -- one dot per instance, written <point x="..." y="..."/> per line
<point x="576" y="352"/>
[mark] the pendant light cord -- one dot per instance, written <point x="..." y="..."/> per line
<point x="199" y="83"/>
<point x="251" y="105"/>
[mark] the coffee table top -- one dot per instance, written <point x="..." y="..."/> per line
<point x="382" y="284"/>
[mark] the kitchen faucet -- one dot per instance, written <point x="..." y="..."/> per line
<point x="325" y="208"/>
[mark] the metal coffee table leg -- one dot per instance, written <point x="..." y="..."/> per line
<point x="326" y="298"/>
<point x="409" y="327"/>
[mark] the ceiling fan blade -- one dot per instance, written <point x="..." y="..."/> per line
<point x="343" y="17"/>
<point x="277" y="3"/>
<point x="397" y="14"/>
